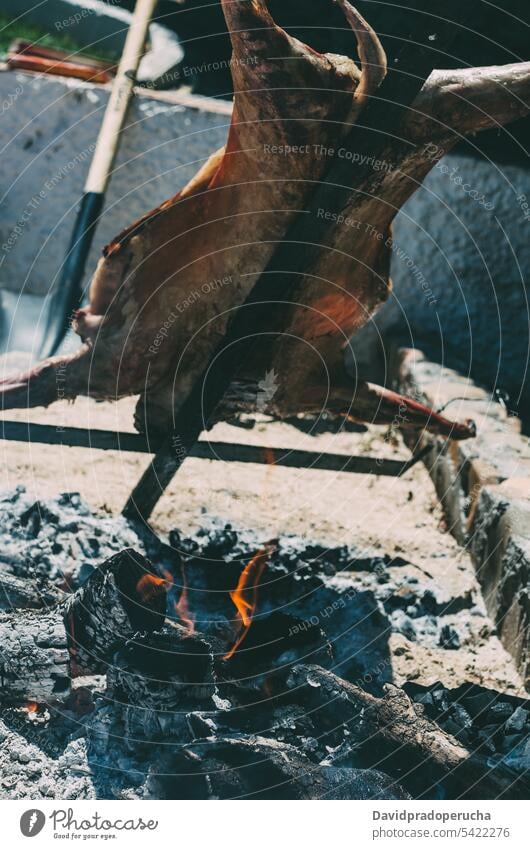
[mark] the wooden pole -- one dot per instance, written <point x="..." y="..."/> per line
<point x="68" y="292"/>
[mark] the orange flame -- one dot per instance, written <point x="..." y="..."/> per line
<point x="31" y="707"/>
<point x="182" y="607"/>
<point x="149" y="586"/>
<point x="269" y="456"/>
<point x="245" y="595"/>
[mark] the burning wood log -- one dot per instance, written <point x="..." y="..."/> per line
<point x="42" y="651"/>
<point x="123" y="597"/>
<point x="158" y="678"/>
<point x="401" y="740"/>
<point x="163" y="295"/>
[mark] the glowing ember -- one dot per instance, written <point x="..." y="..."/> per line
<point x="245" y="595"/>
<point x="149" y="586"/>
<point x="31" y="707"/>
<point x="182" y="607"/>
<point x="269" y="456"/>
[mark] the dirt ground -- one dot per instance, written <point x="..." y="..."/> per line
<point x="393" y="516"/>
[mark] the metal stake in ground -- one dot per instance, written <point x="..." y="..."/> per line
<point x="303" y="242"/>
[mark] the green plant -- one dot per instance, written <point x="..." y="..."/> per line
<point x="11" y="29"/>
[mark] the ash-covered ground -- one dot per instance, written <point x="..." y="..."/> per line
<point x="59" y="539"/>
<point x="172" y="718"/>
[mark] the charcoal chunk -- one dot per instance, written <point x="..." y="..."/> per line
<point x="499" y="712"/>
<point x="449" y="638"/>
<point x="259" y="768"/>
<point x="517" y="721"/>
<point x="460" y="715"/>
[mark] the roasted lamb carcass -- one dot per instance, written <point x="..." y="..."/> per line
<point x="166" y="287"/>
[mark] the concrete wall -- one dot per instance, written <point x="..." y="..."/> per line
<point x="483" y="486"/>
<point x="462" y="284"/>
<point x="48" y="127"/>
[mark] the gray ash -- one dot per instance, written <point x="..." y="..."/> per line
<point x="59" y="540"/>
<point x="175" y="717"/>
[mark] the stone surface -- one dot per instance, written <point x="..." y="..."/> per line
<point x="47" y="135"/>
<point x="484" y="487"/>
<point x="500" y="545"/>
<point x="460" y="289"/>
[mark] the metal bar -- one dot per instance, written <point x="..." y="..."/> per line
<point x="228" y="452"/>
<point x="74" y="437"/>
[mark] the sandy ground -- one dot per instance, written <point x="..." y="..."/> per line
<point x="395" y="516"/>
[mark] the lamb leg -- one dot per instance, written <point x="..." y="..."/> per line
<point x="344" y="398"/>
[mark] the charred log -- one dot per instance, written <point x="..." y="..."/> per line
<point x="260" y="768"/>
<point x="42" y="651"/>
<point x="35" y="657"/>
<point x="158" y="678"/>
<point x="33" y="593"/>
<point x="401" y="740"/>
<point x="121" y="598"/>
